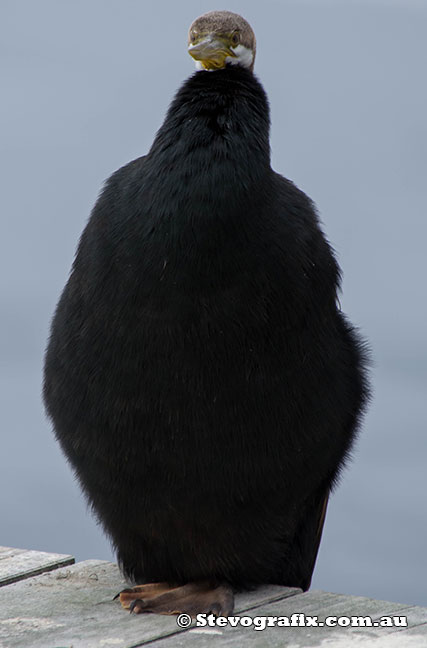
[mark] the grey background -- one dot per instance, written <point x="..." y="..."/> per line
<point x="85" y="84"/>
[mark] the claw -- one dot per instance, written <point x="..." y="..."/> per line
<point x="128" y="590"/>
<point x="216" y="609"/>
<point x="136" y="602"/>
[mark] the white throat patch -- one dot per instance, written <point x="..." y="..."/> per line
<point x="244" y="56"/>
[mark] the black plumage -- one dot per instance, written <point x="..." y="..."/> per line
<point x="201" y="380"/>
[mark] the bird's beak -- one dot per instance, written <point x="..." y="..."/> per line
<point x="212" y="51"/>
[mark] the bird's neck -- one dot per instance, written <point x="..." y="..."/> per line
<point x="214" y="143"/>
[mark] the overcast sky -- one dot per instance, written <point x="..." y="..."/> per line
<point x="85" y="86"/>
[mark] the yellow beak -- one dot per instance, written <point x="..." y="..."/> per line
<point x="212" y="51"/>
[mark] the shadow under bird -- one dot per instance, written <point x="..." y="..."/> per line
<point x="201" y="380"/>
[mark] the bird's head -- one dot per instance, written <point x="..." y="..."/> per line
<point x="221" y="37"/>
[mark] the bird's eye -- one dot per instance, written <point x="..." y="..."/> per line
<point x="235" y="39"/>
<point x="193" y="37"/>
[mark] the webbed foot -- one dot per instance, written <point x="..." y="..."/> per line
<point x="192" y="599"/>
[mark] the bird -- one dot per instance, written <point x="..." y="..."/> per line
<point x="200" y="376"/>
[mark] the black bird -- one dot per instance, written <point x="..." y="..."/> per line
<point x="201" y="379"/>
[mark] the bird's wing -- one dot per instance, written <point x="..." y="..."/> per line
<point x="305" y="546"/>
<point x="320" y="514"/>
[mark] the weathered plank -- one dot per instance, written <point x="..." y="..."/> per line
<point x="74" y="607"/>
<point x="321" y="604"/>
<point x="17" y="564"/>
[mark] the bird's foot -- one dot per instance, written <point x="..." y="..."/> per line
<point x="192" y="599"/>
